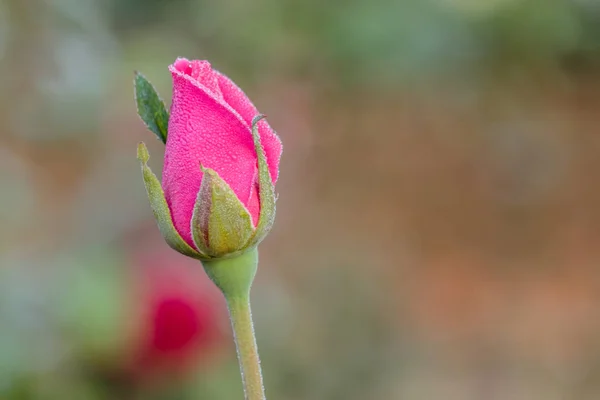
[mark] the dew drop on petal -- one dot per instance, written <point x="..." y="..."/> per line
<point x="190" y="126"/>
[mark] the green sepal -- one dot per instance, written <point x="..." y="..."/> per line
<point x="160" y="209"/>
<point x="150" y="107"/>
<point x="266" y="190"/>
<point x="221" y="224"/>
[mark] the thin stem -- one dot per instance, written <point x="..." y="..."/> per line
<point x="234" y="277"/>
<point x="247" y="351"/>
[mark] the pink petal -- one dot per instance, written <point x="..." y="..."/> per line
<point x="237" y="99"/>
<point x="202" y="72"/>
<point x="253" y="204"/>
<point x="203" y="130"/>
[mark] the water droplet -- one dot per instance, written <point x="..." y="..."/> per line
<point x="189" y="126"/>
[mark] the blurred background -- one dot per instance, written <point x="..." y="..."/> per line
<point x="438" y="227"/>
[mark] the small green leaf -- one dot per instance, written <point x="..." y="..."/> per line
<point x="266" y="190"/>
<point x="161" y="211"/>
<point x="221" y="224"/>
<point x="150" y="107"/>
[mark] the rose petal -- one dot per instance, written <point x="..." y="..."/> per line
<point x="202" y="72"/>
<point x="203" y="130"/>
<point x="237" y="99"/>
<point x="253" y="204"/>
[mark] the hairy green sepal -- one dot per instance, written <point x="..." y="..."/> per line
<point x="266" y="189"/>
<point x="150" y="107"/>
<point x="221" y="224"/>
<point x="160" y="209"/>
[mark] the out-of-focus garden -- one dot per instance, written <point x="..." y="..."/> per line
<point x="438" y="225"/>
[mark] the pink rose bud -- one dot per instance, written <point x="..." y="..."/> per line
<point x="221" y="164"/>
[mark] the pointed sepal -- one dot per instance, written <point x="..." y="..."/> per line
<point x="150" y="107"/>
<point x="221" y="224"/>
<point x="160" y="209"/>
<point x="266" y="190"/>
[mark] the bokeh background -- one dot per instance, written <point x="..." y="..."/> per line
<point x="438" y="227"/>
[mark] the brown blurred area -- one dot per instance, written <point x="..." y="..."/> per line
<point x="437" y="228"/>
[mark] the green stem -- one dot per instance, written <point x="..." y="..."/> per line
<point x="245" y="342"/>
<point x="234" y="276"/>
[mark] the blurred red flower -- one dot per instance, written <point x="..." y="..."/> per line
<point x="181" y="313"/>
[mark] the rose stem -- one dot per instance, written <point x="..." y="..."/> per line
<point x="245" y="342"/>
<point x="234" y="277"/>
